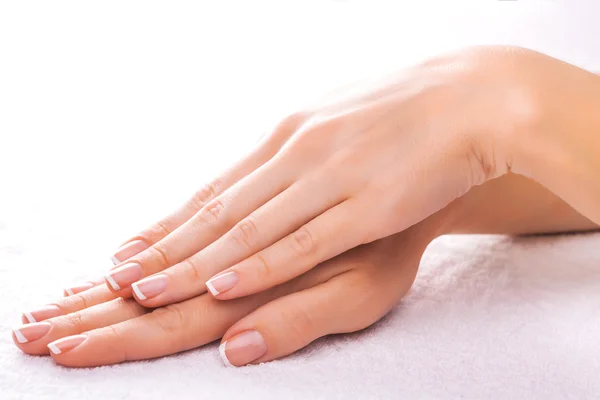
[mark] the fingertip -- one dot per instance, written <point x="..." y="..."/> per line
<point x="28" y="317"/>
<point x="82" y="287"/>
<point x="111" y="283"/>
<point x="221" y="284"/>
<point x="18" y="337"/>
<point x="64" y="351"/>
<point x="128" y="250"/>
<point x="224" y="355"/>
<point x="30" y="338"/>
<point x="245" y="348"/>
<point x="150" y="291"/>
<point x="137" y="293"/>
<point x="52" y="347"/>
<point x="212" y="289"/>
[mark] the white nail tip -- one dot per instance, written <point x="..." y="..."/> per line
<point x="20" y="337"/>
<point x="112" y="282"/>
<point x="138" y="292"/>
<point x="212" y="289"/>
<point x="115" y="260"/>
<point x="29" y="317"/>
<point x="69" y="292"/>
<point x="53" y="348"/>
<point x="223" y="355"/>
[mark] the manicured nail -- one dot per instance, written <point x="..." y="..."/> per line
<point x="65" y="344"/>
<point x="42" y="313"/>
<point x="128" y="250"/>
<point x="77" y="289"/>
<point x="243" y="349"/>
<point x="222" y="283"/>
<point x="150" y="287"/>
<point x="31" y="332"/>
<point x="124" y="276"/>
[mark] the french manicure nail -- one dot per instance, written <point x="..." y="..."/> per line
<point x="150" y="287"/>
<point x="128" y="250"/>
<point x="42" y="313"/>
<point x="243" y="349"/>
<point x="79" y="288"/>
<point x="65" y="344"/>
<point x="222" y="283"/>
<point x="31" y="332"/>
<point x="124" y="276"/>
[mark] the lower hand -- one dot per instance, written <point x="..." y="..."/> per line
<point x="344" y="294"/>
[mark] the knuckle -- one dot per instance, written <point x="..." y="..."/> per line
<point x="161" y="228"/>
<point x="169" y="318"/>
<point x="161" y="255"/>
<point x="114" y="347"/>
<point x="245" y="233"/>
<point x="302" y="242"/>
<point x="286" y="127"/>
<point x="192" y="270"/>
<point x="365" y="298"/>
<point x="300" y="322"/>
<point x="207" y="193"/>
<point x="76" y="321"/>
<point x="323" y="126"/>
<point x="293" y="120"/>
<point x="263" y="267"/>
<point x="157" y="230"/>
<point x="74" y="303"/>
<point x="212" y="212"/>
<point x="482" y="167"/>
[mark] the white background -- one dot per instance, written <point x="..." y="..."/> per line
<point x="112" y="112"/>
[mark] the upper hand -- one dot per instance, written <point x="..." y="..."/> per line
<point x="351" y="171"/>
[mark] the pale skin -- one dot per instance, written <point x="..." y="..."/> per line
<point x="320" y="229"/>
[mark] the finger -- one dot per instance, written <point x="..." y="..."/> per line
<point x="162" y="228"/>
<point x="289" y="323"/>
<point x="82" y="287"/>
<point x="267" y="148"/>
<point x="326" y="236"/>
<point x="346" y="303"/>
<point x="276" y="219"/>
<point x="66" y="305"/>
<point x="34" y="338"/>
<point x="210" y="223"/>
<point x="174" y="328"/>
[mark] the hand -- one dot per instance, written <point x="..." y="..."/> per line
<point x="359" y="286"/>
<point x="339" y="175"/>
<point x="344" y="294"/>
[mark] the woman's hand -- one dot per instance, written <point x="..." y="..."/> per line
<point x="344" y="294"/>
<point x="349" y="172"/>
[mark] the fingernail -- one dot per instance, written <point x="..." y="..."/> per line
<point x="65" y="344"/>
<point x="150" y="287"/>
<point x="128" y="250"/>
<point x="42" y="313"/>
<point x="77" y="289"/>
<point x="124" y="276"/>
<point x="222" y="283"/>
<point x="31" y="332"/>
<point x="243" y="349"/>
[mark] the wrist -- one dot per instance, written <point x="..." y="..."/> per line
<point x="560" y="145"/>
